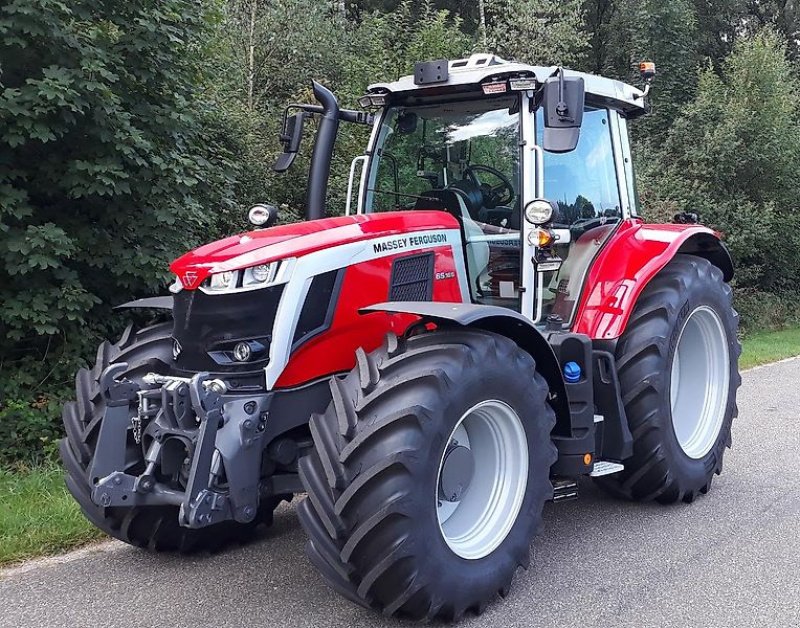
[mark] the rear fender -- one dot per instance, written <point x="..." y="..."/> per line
<point x="497" y="320"/>
<point x="627" y="263"/>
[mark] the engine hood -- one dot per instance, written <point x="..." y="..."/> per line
<point x="297" y="239"/>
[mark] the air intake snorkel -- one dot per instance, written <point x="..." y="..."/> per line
<point x="292" y="135"/>
<point x="320" y="169"/>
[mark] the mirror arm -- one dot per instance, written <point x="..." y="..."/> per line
<point x="345" y="115"/>
<point x="561" y="108"/>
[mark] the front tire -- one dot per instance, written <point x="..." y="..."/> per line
<point x="678" y="370"/>
<point x="429" y="473"/>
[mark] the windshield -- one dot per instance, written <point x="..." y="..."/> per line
<point x="472" y="147"/>
<point x="462" y="158"/>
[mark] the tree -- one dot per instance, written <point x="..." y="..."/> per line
<point x="734" y="157"/>
<point x="540" y="32"/>
<point x="112" y="160"/>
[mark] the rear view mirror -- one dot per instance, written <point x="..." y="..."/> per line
<point x="290" y="137"/>
<point x="406" y="123"/>
<point x="563" y="112"/>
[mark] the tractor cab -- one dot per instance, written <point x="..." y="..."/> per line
<point x="534" y="162"/>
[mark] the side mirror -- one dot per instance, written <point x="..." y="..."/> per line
<point x="263" y="215"/>
<point x="563" y="112"/>
<point x="291" y="137"/>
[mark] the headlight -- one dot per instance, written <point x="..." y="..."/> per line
<point x="250" y="278"/>
<point x="261" y="274"/>
<point x="538" y="211"/>
<point x="221" y="281"/>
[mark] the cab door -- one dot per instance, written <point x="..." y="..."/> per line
<point x="592" y="201"/>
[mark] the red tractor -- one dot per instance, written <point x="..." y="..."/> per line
<point x="488" y="323"/>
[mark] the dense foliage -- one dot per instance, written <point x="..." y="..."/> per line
<point x="131" y="131"/>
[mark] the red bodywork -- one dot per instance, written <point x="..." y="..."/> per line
<point x="364" y="283"/>
<point x="616" y="278"/>
<point x="622" y="269"/>
<point x="300" y="238"/>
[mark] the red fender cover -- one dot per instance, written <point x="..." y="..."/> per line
<point x="622" y="270"/>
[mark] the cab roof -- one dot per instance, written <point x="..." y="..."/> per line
<point x="466" y="75"/>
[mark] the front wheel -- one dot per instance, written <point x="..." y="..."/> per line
<point x="678" y="373"/>
<point x="429" y="473"/>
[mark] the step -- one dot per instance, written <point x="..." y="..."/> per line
<point x="606" y="467"/>
<point x="565" y="490"/>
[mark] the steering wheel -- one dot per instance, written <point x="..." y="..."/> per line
<point x="493" y="196"/>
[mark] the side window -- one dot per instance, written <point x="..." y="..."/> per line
<point x="584" y="182"/>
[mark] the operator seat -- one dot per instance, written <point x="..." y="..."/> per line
<point x="476" y="248"/>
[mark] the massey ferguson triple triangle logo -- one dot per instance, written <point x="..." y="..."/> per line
<point x="188" y="279"/>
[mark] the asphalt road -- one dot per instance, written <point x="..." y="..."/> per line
<point x="730" y="559"/>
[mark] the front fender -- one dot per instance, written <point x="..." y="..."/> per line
<point x="627" y="263"/>
<point x="498" y="320"/>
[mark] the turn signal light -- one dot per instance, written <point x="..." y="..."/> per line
<point x="587" y="459"/>
<point x="541" y="238"/>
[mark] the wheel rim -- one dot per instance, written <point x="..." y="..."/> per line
<point x="699" y="382"/>
<point x="485" y="509"/>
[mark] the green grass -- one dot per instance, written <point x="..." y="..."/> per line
<point x="38" y="516"/>
<point x="769" y="346"/>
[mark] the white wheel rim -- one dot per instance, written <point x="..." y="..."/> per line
<point x="476" y="524"/>
<point x="699" y="382"/>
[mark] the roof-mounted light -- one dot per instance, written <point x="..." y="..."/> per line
<point x="373" y="100"/>
<point x="522" y="83"/>
<point x="647" y="70"/>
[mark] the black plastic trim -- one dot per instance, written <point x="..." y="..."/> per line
<point x="157" y="303"/>
<point x="333" y="300"/>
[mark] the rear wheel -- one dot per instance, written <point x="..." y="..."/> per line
<point x="429" y="473"/>
<point x="678" y="372"/>
<point x="153" y="527"/>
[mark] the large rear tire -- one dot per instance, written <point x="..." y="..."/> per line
<point x="153" y="527"/>
<point x="429" y="473"/>
<point x="678" y="370"/>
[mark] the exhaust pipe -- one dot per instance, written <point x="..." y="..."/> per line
<point x="320" y="169"/>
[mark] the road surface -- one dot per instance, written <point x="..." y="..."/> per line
<point x="730" y="559"/>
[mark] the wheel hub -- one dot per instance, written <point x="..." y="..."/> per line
<point x="477" y="509"/>
<point x="457" y="471"/>
<point x="699" y="382"/>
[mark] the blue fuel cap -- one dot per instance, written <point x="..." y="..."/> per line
<point x="572" y="372"/>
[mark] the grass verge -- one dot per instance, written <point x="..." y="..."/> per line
<point x="763" y="347"/>
<point x="38" y="516"/>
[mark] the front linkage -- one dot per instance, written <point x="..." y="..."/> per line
<point x="180" y="424"/>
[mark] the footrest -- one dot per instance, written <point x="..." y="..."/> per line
<point x="605" y="467"/>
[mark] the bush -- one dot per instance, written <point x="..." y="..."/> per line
<point x="733" y="156"/>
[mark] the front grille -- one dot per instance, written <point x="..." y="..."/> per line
<point x="216" y="322"/>
<point x="412" y="278"/>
